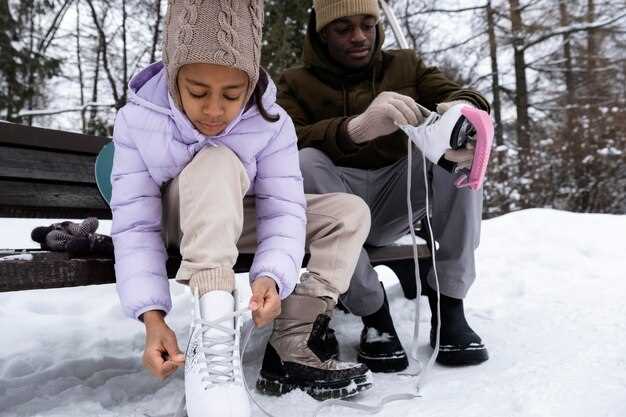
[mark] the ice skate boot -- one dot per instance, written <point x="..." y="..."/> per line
<point x="459" y="141"/>
<point x="214" y="383"/>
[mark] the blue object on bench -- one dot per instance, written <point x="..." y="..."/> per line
<point x="103" y="168"/>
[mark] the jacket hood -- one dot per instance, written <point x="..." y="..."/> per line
<point x="149" y="89"/>
<point x="316" y="58"/>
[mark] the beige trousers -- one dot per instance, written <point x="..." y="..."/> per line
<point x="208" y="217"/>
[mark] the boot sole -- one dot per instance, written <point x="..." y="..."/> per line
<point x="276" y="386"/>
<point x="462" y="357"/>
<point x="385" y="364"/>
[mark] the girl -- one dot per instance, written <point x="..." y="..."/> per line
<point x="206" y="161"/>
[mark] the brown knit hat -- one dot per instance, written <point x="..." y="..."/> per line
<point x="328" y="10"/>
<point x="221" y="32"/>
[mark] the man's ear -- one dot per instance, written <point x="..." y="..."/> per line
<point x="323" y="35"/>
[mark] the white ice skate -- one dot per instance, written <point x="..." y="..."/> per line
<point x="459" y="141"/>
<point x="214" y="383"/>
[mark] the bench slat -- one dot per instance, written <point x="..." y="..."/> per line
<point x="34" y="164"/>
<point x="58" y="270"/>
<point x="36" y="137"/>
<point x="48" y="200"/>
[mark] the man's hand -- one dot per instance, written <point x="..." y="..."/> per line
<point x="265" y="302"/>
<point x="382" y="117"/>
<point x="161" y="354"/>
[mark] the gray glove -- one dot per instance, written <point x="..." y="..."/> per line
<point x="382" y="117"/>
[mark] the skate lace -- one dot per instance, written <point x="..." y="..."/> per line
<point x="217" y="353"/>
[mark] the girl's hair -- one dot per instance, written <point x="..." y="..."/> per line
<point x="257" y="94"/>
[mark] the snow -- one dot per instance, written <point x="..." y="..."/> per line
<point x="373" y="336"/>
<point x="21" y="257"/>
<point x="609" y="151"/>
<point x="548" y="302"/>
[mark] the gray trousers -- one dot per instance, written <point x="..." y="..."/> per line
<point x="456" y="217"/>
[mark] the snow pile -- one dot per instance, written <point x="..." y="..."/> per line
<point x="548" y="304"/>
<point x="20" y="257"/>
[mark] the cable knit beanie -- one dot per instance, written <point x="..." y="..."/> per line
<point x="221" y="32"/>
<point x="328" y="10"/>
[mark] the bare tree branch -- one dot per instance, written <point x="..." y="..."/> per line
<point x="104" y="55"/>
<point x="573" y="29"/>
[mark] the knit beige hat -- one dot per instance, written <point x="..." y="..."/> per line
<point x="328" y="10"/>
<point x="221" y="32"/>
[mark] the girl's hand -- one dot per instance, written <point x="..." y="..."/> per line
<point x="265" y="302"/>
<point x="161" y="355"/>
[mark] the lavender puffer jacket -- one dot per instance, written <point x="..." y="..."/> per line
<point x="154" y="141"/>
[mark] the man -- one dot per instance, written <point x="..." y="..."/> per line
<point x="346" y="101"/>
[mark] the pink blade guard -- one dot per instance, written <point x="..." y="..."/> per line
<point x="484" y="139"/>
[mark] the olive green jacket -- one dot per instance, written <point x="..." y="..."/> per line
<point x="320" y="96"/>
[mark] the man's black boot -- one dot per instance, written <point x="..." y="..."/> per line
<point x="459" y="344"/>
<point x="380" y="348"/>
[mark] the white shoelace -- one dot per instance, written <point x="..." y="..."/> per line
<point x="216" y="354"/>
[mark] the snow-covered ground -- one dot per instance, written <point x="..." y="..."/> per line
<point x="549" y="304"/>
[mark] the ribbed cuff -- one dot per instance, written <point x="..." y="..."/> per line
<point x="213" y="279"/>
<point x="357" y="130"/>
<point x="344" y="141"/>
<point x="326" y="12"/>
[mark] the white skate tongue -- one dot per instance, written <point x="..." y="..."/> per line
<point x="216" y="304"/>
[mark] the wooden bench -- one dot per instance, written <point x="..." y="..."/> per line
<point x="50" y="174"/>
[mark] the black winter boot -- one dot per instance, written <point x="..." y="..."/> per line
<point x="380" y="348"/>
<point x="459" y="344"/>
<point x="298" y="356"/>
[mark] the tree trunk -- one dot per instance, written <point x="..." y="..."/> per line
<point x="81" y="81"/>
<point x="104" y="55"/>
<point x="124" y="57"/>
<point x="591" y="49"/>
<point x="31" y="58"/>
<point x="94" y="92"/>
<point x="495" y="81"/>
<point x="570" y="85"/>
<point x="156" y="30"/>
<point x="407" y="26"/>
<point x="521" y="87"/>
